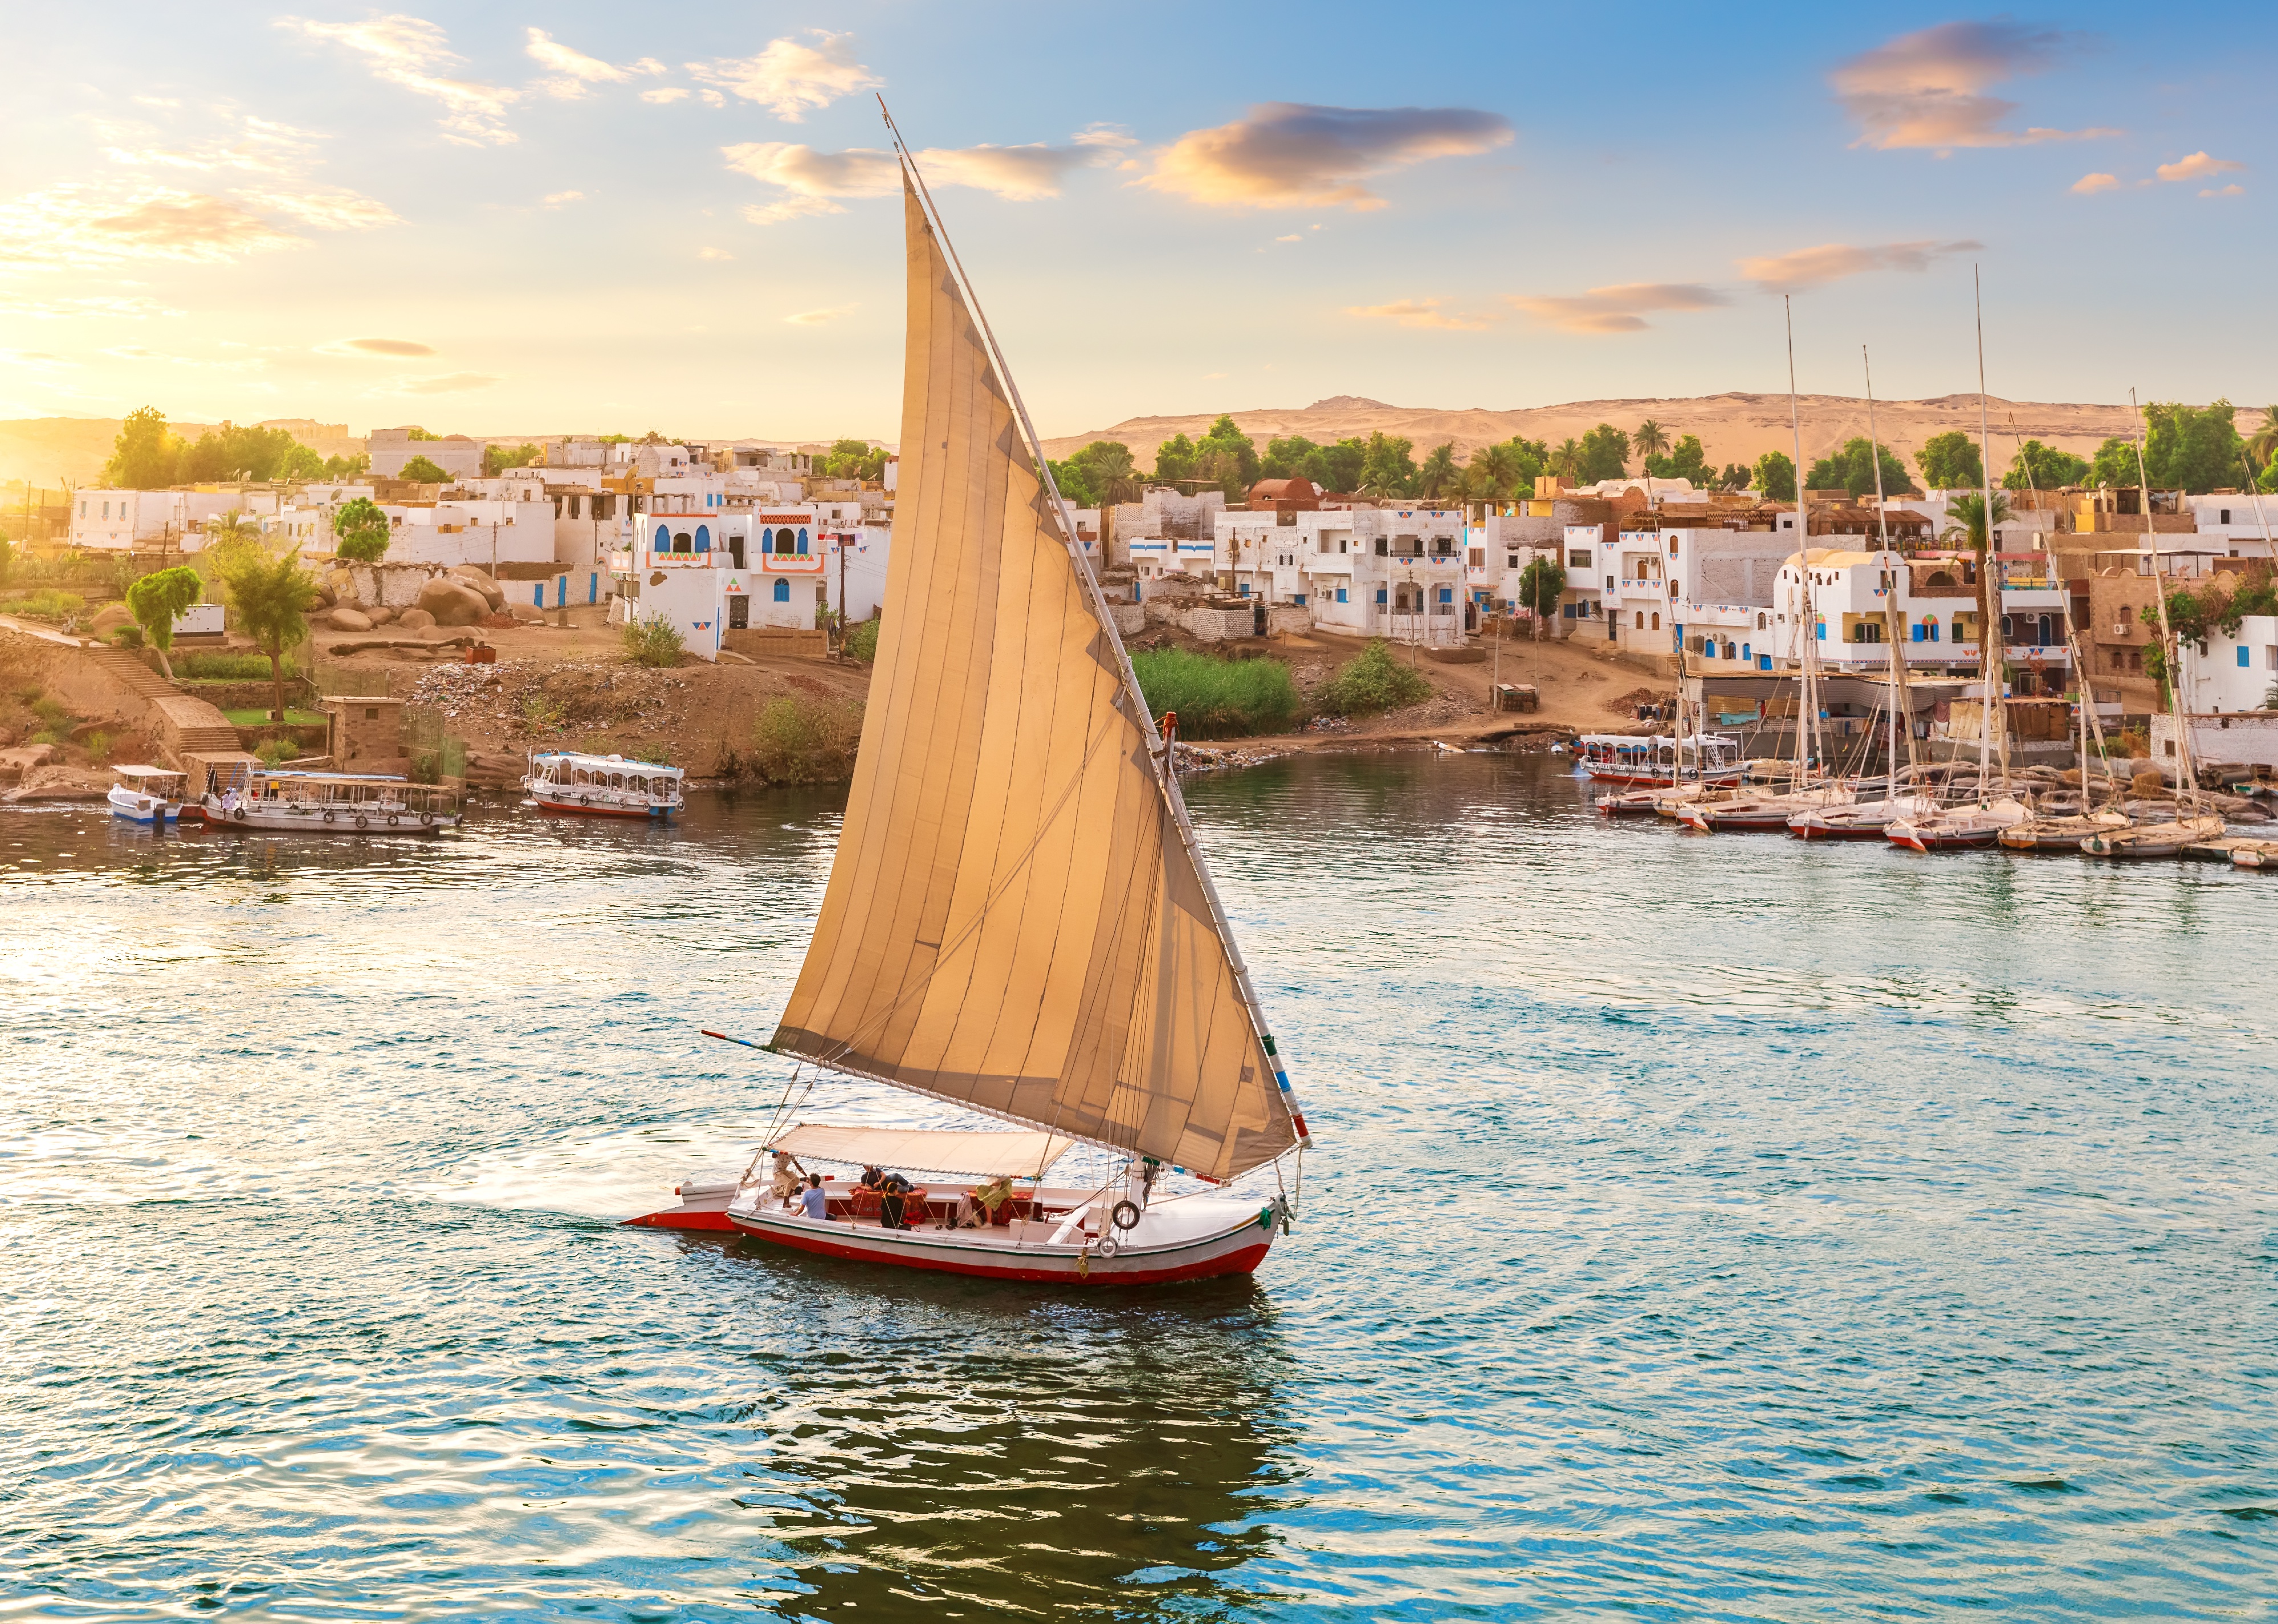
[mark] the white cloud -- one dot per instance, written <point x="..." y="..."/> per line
<point x="1286" y="154"/>
<point x="713" y="254"/>
<point x="83" y="226"/>
<point x="2089" y="185"/>
<point x="811" y="178"/>
<point x="1292" y="237"/>
<point x="2199" y="166"/>
<point x="815" y="319"/>
<point x="255" y="146"/>
<point x="1416" y="313"/>
<point x="376" y="347"/>
<point x="406" y="51"/>
<point x="1617" y="309"/>
<point x="574" y="73"/>
<point x="791" y="79"/>
<point x="1831" y="261"/>
<point x="1927" y="89"/>
<point x="668" y="92"/>
<point x="2233" y="190"/>
<point x="555" y="200"/>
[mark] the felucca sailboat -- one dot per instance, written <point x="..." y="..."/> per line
<point x="1018" y="920"/>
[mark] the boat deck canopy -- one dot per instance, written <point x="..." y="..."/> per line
<point x="982" y="1153"/>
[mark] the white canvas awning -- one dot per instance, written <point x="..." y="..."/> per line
<point x="982" y="1152"/>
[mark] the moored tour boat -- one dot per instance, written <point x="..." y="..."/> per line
<point x="1018" y="920"/>
<point x="1647" y="761"/>
<point x="242" y="796"/>
<point x="2152" y="840"/>
<point x="1861" y="821"/>
<point x="1763" y="814"/>
<point x="147" y="794"/>
<point x="569" y="781"/>
<point x="2060" y="833"/>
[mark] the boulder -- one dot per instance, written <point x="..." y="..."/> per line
<point x="111" y="619"/>
<point x="17" y="762"/>
<point x="414" y="620"/>
<point x="475" y="577"/>
<point x="350" y="620"/>
<point x="62" y="783"/>
<point x="452" y="602"/>
<point x="527" y="614"/>
<point x="381" y="615"/>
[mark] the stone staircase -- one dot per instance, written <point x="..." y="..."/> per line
<point x="184" y="723"/>
<point x="126" y="668"/>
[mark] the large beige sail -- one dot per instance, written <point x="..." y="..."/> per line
<point x="1014" y="919"/>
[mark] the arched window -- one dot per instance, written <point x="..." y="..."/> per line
<point x="802" y="543"/>
<point x="664" y="543"/>
<point x="783" y="592"/>
<point x="1759" y="623"/>
<point x="1656" y="623"/>
<point x="681" y="543"/>
<point x="704" y="538"/>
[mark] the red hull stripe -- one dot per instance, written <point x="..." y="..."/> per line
<point x="599" y="812"/>
<point x="1241" y="1263"/>
<point x="673" y="1219"/>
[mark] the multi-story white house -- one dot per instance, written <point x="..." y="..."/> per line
<point x="710" y="572"/>
<point x="2240" y="523"/>
<point x="1388" y="572"/>
<point x="1936" y="596"/>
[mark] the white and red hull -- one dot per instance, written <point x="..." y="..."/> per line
<point x="558" y="804"/>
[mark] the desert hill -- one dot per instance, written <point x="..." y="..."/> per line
<point x="1733" y="428"/>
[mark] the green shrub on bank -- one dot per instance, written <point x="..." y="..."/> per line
<point x="1372" y="680"/>
<point x="214" y="667"/>
<point x="47" y="603"/>
<point x="654" y="643"/>
<point x="803" y="741"/>
<point x="863" y="640"/>
<point x="1217" y="699"/>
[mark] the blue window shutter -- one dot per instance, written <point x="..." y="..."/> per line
<point x="2242" y="654"/>
<point x="663" y="538"/>
<point x="783" y="592"/>
<point x="704" y="538"/>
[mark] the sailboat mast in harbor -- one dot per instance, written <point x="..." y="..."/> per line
<point x="1991" y="645"/>
<point x="1807" y="721"/>
<point x="1895" y="628"/>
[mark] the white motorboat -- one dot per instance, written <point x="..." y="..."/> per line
<point x="569" y="781"/>
<point x="243" y="797"/>
<point x="147" y="794"/>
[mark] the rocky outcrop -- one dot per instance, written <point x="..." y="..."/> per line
<point x="348" y="620"/>
<point x="24" y="758"/>
<point x="62" y="783"/>
<point x="381" y="615"/>
<point x="415" y="619"/>
<point x="109" y="620"/>
<point x="475" y="577"/>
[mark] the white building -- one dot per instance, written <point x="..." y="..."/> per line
<point x="2239" y="524"/>
<point x="710" y="571"/>
<point x="1397" y="573"/>
<point x="455" y="454"/>
<point x="2237" y="673"/>
<point x="162" y="520"/>
<point x="1936" y="596"/>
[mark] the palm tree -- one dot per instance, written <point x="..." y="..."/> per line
<point x="1650" y="440"/>
<point x="1113" y="470"/>
<point x="1437" y="476"/>
<point x="1969" y="511"/>
<point x="2263" y="445"/>
<point x="1567" y="459"/>
<point x="1493" y="470"/>
<point x="271" y="596"/>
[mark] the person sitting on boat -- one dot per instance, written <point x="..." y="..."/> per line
<point x="787" y="1180"/>
<point x="992" y="1198"/>
<point x="811" y="1201"/>
<point x="893" y="1195"/>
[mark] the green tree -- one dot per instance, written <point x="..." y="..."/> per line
<point x="1074" y="477"/>
<point x="1605" y="454"/>
<point x="2113" y="466"/>
<point x="1540" y="586"/>
<point x="144" y="456"/>
<point x="1949" y="462"/>
<point x="1284" y="457"/>
<point x="1492" y="475"/>
<point x="1387" y="467"/>
<point x="362" y="531"/>
<point x="1566" y="461"/>
<point x="1650" y="440"/>
<point x="300" y="463"/>
<point x="1736" y="476"/>
<point x="1775" y="476"/>
<point x="1853" y="470"/>
<point x="1341" y="466"/>
<point x="1688" y="460"/>
<point x="1967" y="513"/>
<point x="346" y="468"/>
<point x="2192" y="449"/>
<point x="156" y="601"/>
<point x="426" y="473"/>
<point x="415" y="432"/>
<point x="271" y="596"/>
<point x="2037" y="466"/>
<point x="497" y="458"/>
<point x="1174" y="459"/>
<point x="2262" y="448"/>
<point x="231" y="452"/>
<point x="1227" y="440"/>
<point x="1112" y="469"/>
<point x="1437" y="476"/>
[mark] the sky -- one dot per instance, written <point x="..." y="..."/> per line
<point x="548" y="217"/>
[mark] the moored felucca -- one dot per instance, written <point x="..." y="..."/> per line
<point x="1018" y="919"/>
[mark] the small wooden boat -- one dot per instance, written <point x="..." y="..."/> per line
<point x="2153" y="840"/>
<point x="147" y="794"/>
<point x="2217" y="850"/>
<point x="569" y="781"/>
<point x="1959" y="829"/>
<point x="1630" y="803"/>
<point x="239" y="796"/>
<point x="2061" y="833"/>
<point x="1863" y="821"/>
<point x="1767" y="814"/>
<point x="2254" y="853"/>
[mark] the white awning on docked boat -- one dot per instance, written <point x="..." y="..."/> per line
<point x="982" y="1153"/>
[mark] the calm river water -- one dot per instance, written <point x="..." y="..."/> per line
<point x="1700" y="1228"/>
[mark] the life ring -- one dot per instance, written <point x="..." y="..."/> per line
<point x="239" y="814"/>
<point x="362" y="821"/>
<point x="391" y="821"/>
<point x="1108" y="1248"/>
<point x="1120" y="1222"/>
<point x="426" y="820"/>
<point x="328" y="814"/>
<point x="585" y="800"/>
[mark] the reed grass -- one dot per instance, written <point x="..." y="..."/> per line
<point x="1217" y="699"/>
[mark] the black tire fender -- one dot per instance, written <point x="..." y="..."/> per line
<point x="362" y="822"/>
<point x="239" y="814"/>
<point x="1119" y="1218"/>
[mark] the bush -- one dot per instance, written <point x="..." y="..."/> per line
<point x="1373" y="681"/>
<point x="48" y="604"/>
<point x="804" y="741"/>
<point x="863" y="640"/>
<point x="275" y="752"/>
<point x="214" y="667"/>
<point x="1217" y="699"/>
<point x="127" y="636"/>
<point x="654" y="643"/>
